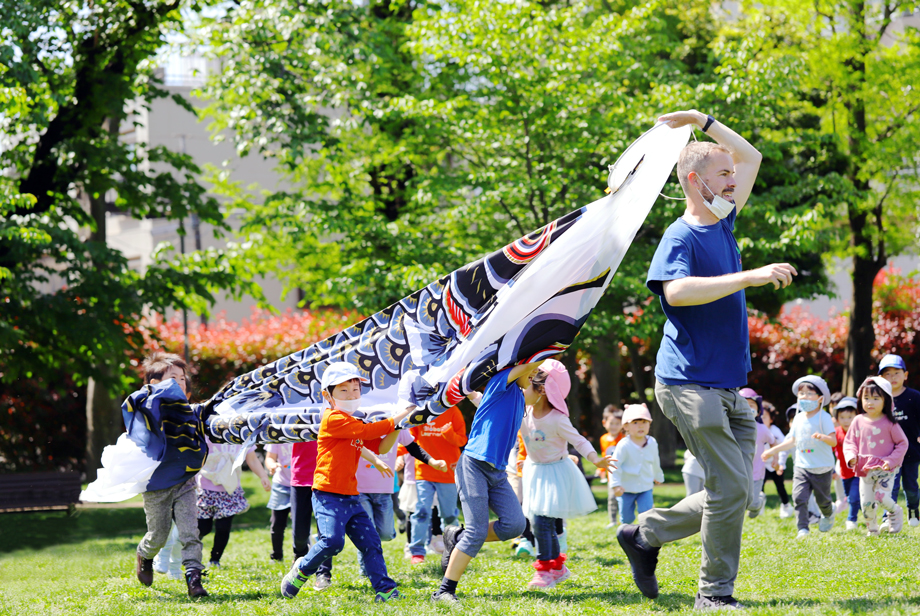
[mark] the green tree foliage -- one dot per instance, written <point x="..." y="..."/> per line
<point x="846" y="123"/>
<point x="70" y="76"/>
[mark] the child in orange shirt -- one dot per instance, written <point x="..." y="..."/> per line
<point x="442" y="439"/>
<point x="336" y="505"/>
<point x="613" y="423"/>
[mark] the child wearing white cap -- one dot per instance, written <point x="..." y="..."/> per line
<point x="814" y="437"/>
<point x="336" y="503"/>
<point x="875" y="446"/>
<point x="638" y="466"/>
<point x="554" y="488"/>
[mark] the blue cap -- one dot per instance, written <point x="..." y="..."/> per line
<point x="892" y="361"/>
<point x="340" y="372"/>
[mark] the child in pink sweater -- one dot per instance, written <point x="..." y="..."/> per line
<point x="875" y="446"/>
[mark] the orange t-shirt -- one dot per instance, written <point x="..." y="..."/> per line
<point x="338" y="449"/>
<point x="441" y="445"/>
<point x="608" y="442"/>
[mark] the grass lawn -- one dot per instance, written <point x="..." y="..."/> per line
<point x="54" y="564"/>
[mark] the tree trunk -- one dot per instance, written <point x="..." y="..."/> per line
<point x="605" y="382"/>
<point x="662" y="429"/>
<point x="861" y="337"/>
<point x="103" y="425"/>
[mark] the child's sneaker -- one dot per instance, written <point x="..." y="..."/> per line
<point x="322" y="581"/>
<point x="786" y="511"/>
<point x="383" y="597"/>
<point x="417" y="559"/>
<point x="885" y="523"/>
<point x="803" y="533"/>
<point x="446" y="597"/>
<point x="144" y="570"/>
<point x="525" y="547"/>
<point x="850" y="525"/>
<point x="914" y="516"/>
<point x="193" y="581"/>
<point x="293" y="582"/>
<point x="612" y="525"/>
<point x="840" y="507"/>
<point x="557" y="567"/>
<point x="825" y="523"/>
<point x="541" y="580"/>
<point x="437" y="544"/>
<point x="896" y="520"/>
<point x="872" y="527"/>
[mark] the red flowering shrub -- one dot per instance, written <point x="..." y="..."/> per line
<point x="223" y="349"/>
<point x="798" y="343"/>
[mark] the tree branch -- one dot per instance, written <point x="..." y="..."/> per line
<point x="513" y="217"/>
<point x="897" y="124"/>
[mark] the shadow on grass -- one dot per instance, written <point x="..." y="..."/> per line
<point x="44" y="529"/>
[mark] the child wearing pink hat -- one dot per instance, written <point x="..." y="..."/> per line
<point x="554" y="488"/>
<point x="638" y="465"/>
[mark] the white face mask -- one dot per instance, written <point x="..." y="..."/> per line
<point x="719" y="206"/>
<point x="349" y="406"/>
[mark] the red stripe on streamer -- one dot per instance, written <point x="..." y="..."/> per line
<point x="453" y="395"/>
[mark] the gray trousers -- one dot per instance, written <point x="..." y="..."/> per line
<point x="613" y="505"/>
<point x="719" y="429"/>
<point x="177" y="503"/>
<point x="804" y="484"/>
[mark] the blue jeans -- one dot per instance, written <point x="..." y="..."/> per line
<point x="544" y="529"/>
<point x="338" y="515"/>
<point x="851" y="487"/>
<point x="482" y="487"/>
<point x="908" y="473"/>
<point x="421" y="519"/>
<point x="379" y="508"/>
<point x="630" y="501"/>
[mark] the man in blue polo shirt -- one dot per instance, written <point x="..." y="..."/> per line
<point x="704" y="358"/>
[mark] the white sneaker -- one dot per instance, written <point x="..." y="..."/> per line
<point x="437" y="544"/>
<point x="615" y="525"/>
<point x="840" y="507"/>
<point x="884" y="525"/>
<point x="825" y="524"/>
<point x="914" y="518"/>
<point x="525" y="547"/>
<point x="896" y="518"/>
<point x="786" y="511"/>
<point x="851" y="525"/>
<point x="803" y="532"/>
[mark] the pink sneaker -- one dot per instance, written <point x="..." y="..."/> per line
<point x="541" y="580"/>
<point x="561" y="575"/>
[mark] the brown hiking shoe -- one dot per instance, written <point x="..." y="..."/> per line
<point x="144" y="570"/>
<point x="193" y="580"/>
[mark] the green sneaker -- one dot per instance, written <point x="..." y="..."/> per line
<point x="293" y="582"/>
<point x="383" y="597"/>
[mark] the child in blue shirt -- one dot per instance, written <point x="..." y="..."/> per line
<point x="814" y="437"/>
<point x="482" y="482"/>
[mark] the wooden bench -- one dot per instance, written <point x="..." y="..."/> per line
<point x="48" y="491"/>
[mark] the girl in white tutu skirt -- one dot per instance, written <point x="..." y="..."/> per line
<point x="554" y="488"/>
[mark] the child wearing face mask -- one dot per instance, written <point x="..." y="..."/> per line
<point x="336" y="503"/>
<point x="638" y="467"/>
<point x="554" y="488"/>
<point x="814" y="437"/>
<point x="874" y="447"/>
